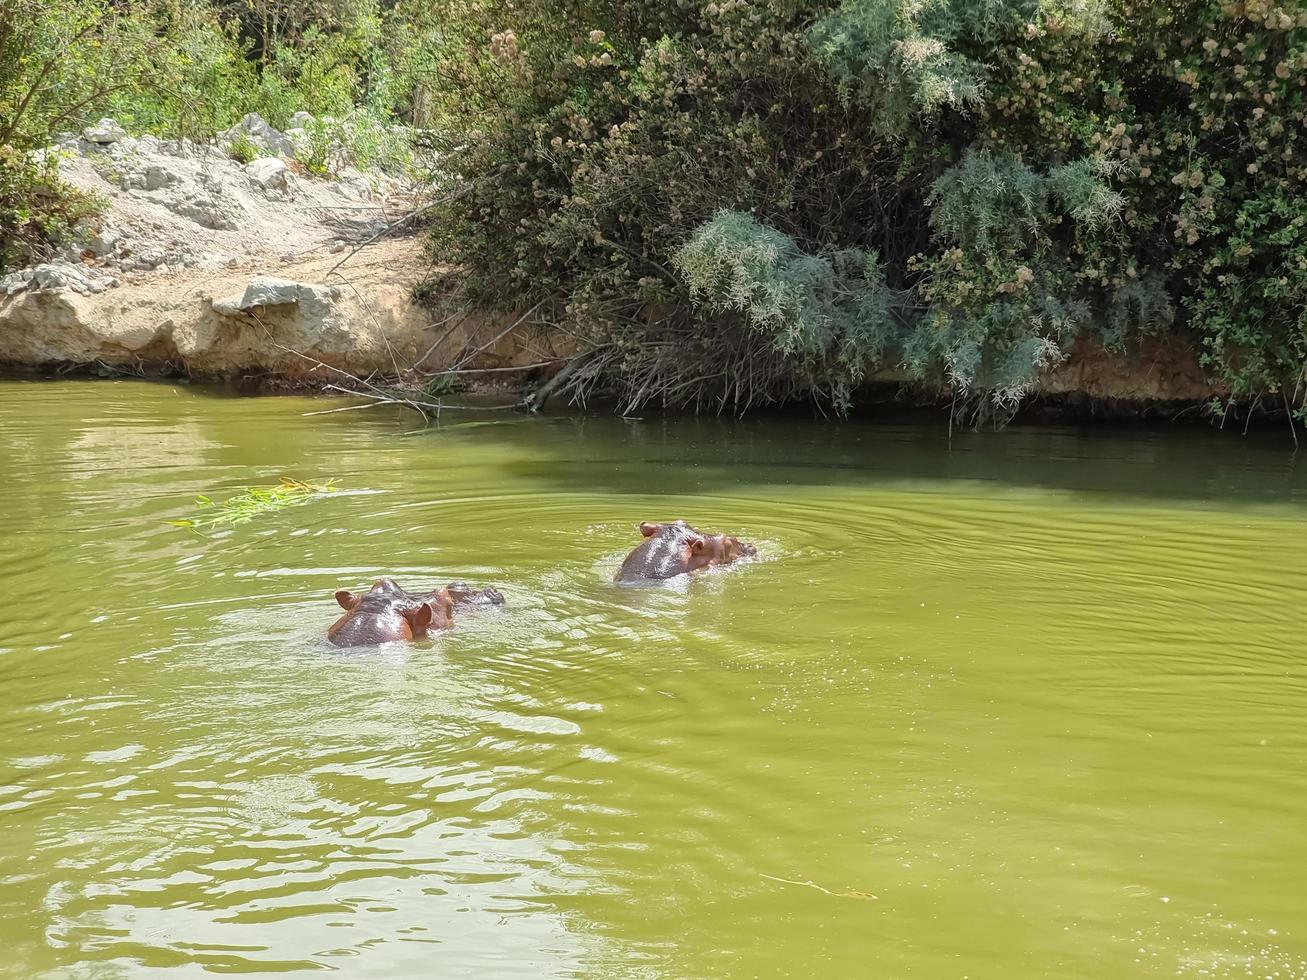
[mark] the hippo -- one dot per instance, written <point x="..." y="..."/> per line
<point x="465" y="597"/>
<point x="388" y="612"/>
<point x="678" y="549"/>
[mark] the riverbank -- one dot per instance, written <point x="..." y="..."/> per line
<point x="214" y="267"/>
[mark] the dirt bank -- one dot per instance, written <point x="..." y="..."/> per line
<point x="292" y="320"/>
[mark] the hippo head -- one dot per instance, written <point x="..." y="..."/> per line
<point x="465" y="596"/>
<point x="700" y="550"/>
<point x="386" y="612"/>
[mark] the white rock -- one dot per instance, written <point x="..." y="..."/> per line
<point x="125" y="150"/>
<point x="269" y="291"/>
<point x="151" y="258"/>
<point x="177" y="148"/>
<point x="300" y="119"/>
<point x="154" y="178"/>
<point x="259" y="132"/>
<point x="103" y="242"/>
<point x="205" y="212"/>
<point x="105" y="132"/>
<point x="268" y="173"/>
<point x="64" y="275"/>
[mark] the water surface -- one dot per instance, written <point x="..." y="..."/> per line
<point x="1032" y="704"/>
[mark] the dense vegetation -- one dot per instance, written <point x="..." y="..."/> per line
<point x="732" y="202"/>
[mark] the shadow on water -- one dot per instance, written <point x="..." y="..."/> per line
<point x="688" y="455"/>
<point x="698" y="455"/>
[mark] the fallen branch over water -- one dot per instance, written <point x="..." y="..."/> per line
<point x="535" y="402"/>
<point x="429" y="409"/>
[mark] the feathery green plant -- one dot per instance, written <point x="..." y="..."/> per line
<point x="254" y="502"/>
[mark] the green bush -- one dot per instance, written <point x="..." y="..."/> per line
<point x="242" y="149"/>
<point x="200" y="83"/>
<point x="1027" y="172"/>
<point x="361" y="139"/>
<point x="37" y="209"/>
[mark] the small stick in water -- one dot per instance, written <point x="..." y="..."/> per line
<point x="865" y="896"/>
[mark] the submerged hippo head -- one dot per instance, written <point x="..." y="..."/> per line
<point x="386" y="612"/>
<point x="677" y="548"/>
<point x="466" y="597"/>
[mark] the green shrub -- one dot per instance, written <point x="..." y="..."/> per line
<point x="684" y="176"/>
<point x="201" y="83"/>
<point x="831" y="311"/>
<point x="64" y="61"/>
<point x="37" y="209"/>
<point x="242" y="149"/>
<point x="361" y="139"/>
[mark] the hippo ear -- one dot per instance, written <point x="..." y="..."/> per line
<point x="419" y="618"/>
<point x="346" y="599"/>
<point x="697" y="544"/>
<point x="649" y="530"/>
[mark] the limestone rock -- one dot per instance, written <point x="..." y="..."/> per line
<point x="13" y="283"/>
<point x="104" y="132"/>
<point x="61" y="275"/>
<point x="268" y="173"/>
<point x="151" y="177"/>
<point x="205" y="211"/>
<point x="265" y="291"/>
<point x="102" y="242"/>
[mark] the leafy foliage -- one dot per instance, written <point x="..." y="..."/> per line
<point x="733" y="201"/>
<point x="694" y="177"/>
<point x="902" y="59"/>
<point x="254" y="502"/>
<point x="36" y="207"/>
<point x="831" y="310"/>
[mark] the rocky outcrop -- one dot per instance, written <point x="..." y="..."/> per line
<point x="268" y="173"/>
<point x="175" y="204"/>
<point x="230" y="324"/>
<point x="208" y="266"/>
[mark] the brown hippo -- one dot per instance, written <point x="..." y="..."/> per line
<point x="387" y="612"/>
<point x="678" y="549"/>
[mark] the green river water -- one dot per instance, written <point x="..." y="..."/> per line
<point x="1030" y="705"/>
